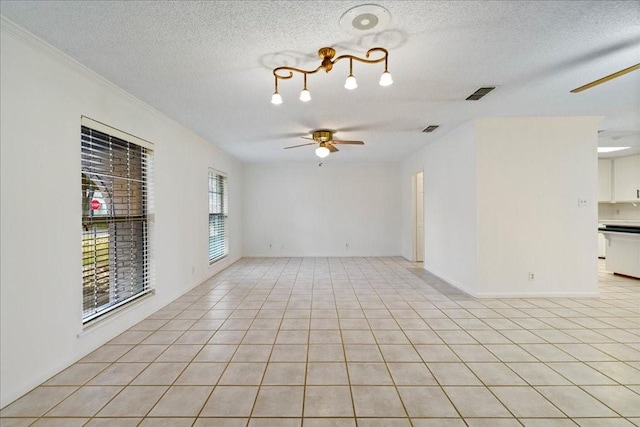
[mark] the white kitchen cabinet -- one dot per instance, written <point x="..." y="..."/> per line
<point x="604" y="180"/>
<point x="602" y="246"/>
<point x="623" y="253"/>
<point x="626" y="179"/>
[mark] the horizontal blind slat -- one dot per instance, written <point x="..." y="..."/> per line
<point x="218" y="241"/>
<point x="115" y="240"/>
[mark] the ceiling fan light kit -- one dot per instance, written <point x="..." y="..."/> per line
<point x="322" y="151"/>
<point x="327" y="55"/>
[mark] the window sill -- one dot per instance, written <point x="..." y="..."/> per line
<point x="215" y="260"/>
<point x="115" y="313"/>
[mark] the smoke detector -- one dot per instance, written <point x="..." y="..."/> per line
<point x="365" y="18"/>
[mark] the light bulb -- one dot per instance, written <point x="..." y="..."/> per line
<point x="322" y="152"/>
<point x="350" y="83"/>
<point x="385" y="79"/>
<point x="305" y="96"/>
<point x="276" y="99"/>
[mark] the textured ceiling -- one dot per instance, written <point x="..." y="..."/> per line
<point x="208" y="65"/>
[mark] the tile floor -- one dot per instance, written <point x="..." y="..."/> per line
<point x="345" y="342"/>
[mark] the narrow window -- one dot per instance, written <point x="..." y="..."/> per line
<point x="115" y="229"/>
<point x="218" y="238"/>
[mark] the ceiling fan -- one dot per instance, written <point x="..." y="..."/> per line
<point x="606" y="78"/>
<point x="326" y="144"/>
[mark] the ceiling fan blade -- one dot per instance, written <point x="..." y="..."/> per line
<point x="606" y="78"/>
<point x="330" y="147"/>
<point x="307" y="137"/>
<point x="301" y="145"/>
<point x="337" y="141"/>
<point x="284" y="135"/>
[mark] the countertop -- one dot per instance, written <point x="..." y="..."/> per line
<point x="620" y="222"/>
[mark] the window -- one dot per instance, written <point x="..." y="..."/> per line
<point x="115" y="229"/>
<point x="218" y="239"/>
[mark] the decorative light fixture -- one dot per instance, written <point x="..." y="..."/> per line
<point x="351" y="82"/>
<point x="327" y="54"/>
<point x="305" y="96"/>
<point x="276" y="99"/>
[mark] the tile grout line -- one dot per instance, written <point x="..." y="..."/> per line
<point x="390" y="286"/>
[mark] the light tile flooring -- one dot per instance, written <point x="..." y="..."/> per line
<point x="344" y="342"/>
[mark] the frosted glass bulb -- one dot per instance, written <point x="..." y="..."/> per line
<point x="276" y="99"/>
<point x="322" y="152"/>
<point x="385" y="79"/>
<point x="350" y="83"/>
<point x="305" y="96"/>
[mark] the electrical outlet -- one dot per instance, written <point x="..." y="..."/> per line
<point x="532" y="276"/>
<point x="582" y="202"/>
<point x="346" y="246"/>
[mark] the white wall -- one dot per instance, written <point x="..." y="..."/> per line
<point x="450" y="228"/>
<point x="300" y="209"/>
<point x="449" y="190"/>
<point x="450" y="224"/>
<point x="43" y="96"/>
<point x="531" y="173"/>
<point x="501" y="200"/>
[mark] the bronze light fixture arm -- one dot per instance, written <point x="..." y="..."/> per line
<point x="327" y="54"/>
<point x="366" y="60"/>
<point x="291" y="70"/>
<point x="328" y="63"/>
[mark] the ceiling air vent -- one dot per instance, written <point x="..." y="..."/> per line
<point x="430" y="129"/>
<point x="480" y="93"/>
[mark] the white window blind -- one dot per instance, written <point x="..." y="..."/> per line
<point x="115" y="243"/>
<point x="218" y="239"/>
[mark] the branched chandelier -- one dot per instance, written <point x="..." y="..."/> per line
<point x="327" y="54"/>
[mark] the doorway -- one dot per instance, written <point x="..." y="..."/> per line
<point x="418" y="215"/>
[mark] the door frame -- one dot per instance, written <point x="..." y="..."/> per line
<point x="414" y="215"/>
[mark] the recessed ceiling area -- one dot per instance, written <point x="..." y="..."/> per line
<point x="208" y="65"/>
